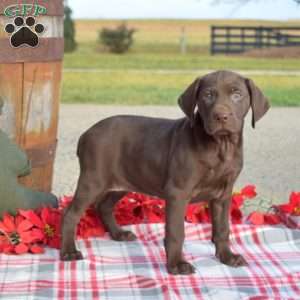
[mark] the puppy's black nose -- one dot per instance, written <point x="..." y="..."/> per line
<point x="221" y="116"/>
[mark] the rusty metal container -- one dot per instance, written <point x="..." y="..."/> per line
<point x="31" y="53"/>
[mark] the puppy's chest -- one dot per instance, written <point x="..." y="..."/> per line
<point x="215" y="172"/>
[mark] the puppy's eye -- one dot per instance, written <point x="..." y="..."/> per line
<point x="235" y="95"/>
<point x="208" y="96"/>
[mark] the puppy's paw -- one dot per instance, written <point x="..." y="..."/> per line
<point x="232" y="260"/>
<point x="124" y="235"/>
<point x="71" y="255"/>
<point x="181" y="268"/>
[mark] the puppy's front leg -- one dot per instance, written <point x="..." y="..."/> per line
<point x="220" y="233"/>
<point x="175" y="212"/>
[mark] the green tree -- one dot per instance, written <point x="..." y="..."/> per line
<point x="69" y="31"/>
<point x="117" y="40"/>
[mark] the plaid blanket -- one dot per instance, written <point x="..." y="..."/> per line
<point x="136" y="270"/>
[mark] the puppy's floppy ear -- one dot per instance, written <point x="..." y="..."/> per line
<point x="258" y="102"/>
<point x="188" y="100"/>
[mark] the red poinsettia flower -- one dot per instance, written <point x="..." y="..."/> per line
<point x="236" y="215"/>
<point x="239" y="198"/>
<point x="129" y="210"/>
<point x="237" y="202"/>
<point x="90" y="225"/>
<point x="124" y="211"/>
<point x="248" y="191"/>
<point x="272" y="219"/>
<point x="18" y="235"/>
<point x="140" y="205"/>
<point x="47" y="221"/>
<point x="198" y="213"/>
<point x="293" y="207"/>
<point x="155" y="212"/>
<point x="259" y="218"/>
<point x="152" y="209"/>
<point x="137" y="208"/>
<point x="256" y="218"/>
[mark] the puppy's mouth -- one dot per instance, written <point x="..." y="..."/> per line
<point x="221" y="130"/>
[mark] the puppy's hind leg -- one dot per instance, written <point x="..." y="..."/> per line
<point x="105" y="210"/>
<point x="87" y="192"/>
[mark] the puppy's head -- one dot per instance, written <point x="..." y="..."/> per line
<point x="223" y="99"/>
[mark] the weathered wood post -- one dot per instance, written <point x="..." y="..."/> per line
<point x="31" y="53"/>
<point x="182" y="40"/>
<point x="212" y="39"/>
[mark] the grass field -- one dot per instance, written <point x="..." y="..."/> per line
<point x="133" y="78"/>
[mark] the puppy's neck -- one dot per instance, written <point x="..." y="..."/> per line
<point x="225" y="146"/>
<point x="228" y="145"/>
<point x="232" y="138"/>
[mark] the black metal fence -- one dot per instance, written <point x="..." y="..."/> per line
<point x="238" y="39"/>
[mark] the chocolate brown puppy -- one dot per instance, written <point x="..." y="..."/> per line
<point x="197" y="157"/>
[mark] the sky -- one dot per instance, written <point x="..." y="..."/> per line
<point x="185" y="9"/>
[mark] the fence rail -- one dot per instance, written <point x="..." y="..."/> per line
<point x="238" y="39"/>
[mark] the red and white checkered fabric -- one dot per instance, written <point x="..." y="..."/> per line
<point x="136" y="270"/>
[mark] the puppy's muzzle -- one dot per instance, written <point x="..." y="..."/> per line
<point x="222" y="117"/>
